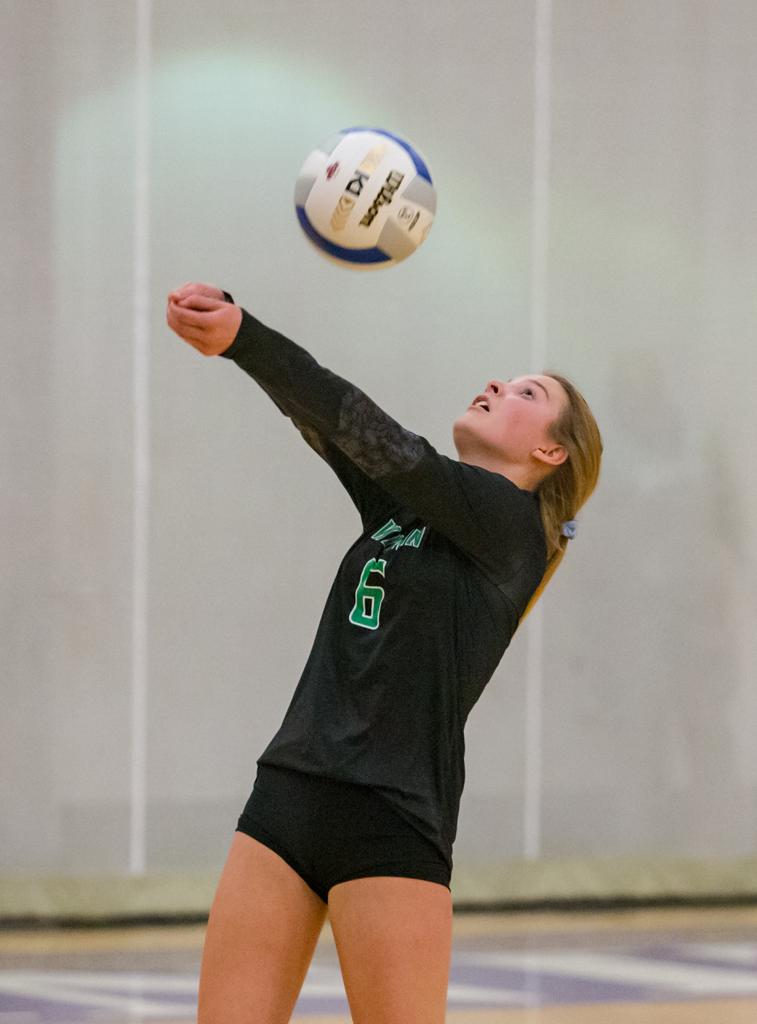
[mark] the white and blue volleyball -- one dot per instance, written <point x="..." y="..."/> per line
<point x="365" y="198"/>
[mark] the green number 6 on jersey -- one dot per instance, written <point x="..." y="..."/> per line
<point x="368" y="598"/>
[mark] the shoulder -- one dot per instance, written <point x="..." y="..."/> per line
<point x="509" y="516"/>
<point x="497" y="489"/>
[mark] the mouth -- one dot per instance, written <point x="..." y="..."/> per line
<point x="480" y="403"/>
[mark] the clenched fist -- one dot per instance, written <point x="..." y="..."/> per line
<point x="200" y="316"/>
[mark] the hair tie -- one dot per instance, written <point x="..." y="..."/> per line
<point x="569" y="529"/>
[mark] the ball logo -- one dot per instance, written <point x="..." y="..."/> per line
<point x="355" y="185"/>
<point x="393" y="181"/>
<point x="408" y="217"/>
<point x="332" y="169"/>
<point x="341" y="213"/>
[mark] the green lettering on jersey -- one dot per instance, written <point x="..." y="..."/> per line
<point x="386" y="530"/>
<point x="413" y="540"/>
<point x="368" y="598"/>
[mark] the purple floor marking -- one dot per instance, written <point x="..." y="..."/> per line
<point x="520" y="985"/>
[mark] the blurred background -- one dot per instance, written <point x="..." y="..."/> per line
<point x="168" y="540"/>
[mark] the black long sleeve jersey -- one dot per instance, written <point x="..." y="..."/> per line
<point x="423" y="605"/>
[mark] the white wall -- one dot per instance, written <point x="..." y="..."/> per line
<point x="649" y="701"/>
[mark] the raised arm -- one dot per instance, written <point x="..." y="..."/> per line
<point x="482" y="512"/>
<point x="371" y="501"/>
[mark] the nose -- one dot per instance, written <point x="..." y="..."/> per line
<point x="496" y="387"/>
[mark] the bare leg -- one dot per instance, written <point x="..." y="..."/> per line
<point x="394" y="940"/>
<point x="262" y="932"/>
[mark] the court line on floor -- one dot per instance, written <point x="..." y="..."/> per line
<point x="686" y="978"/>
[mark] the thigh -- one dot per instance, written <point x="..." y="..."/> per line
<point x="262" y="932"/>
<point x="394" y="941"/>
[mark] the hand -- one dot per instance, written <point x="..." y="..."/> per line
<point x="201" y="317"/>
<point x="193" y="288"/>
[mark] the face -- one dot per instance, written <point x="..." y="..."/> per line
<point x="511" y="419"/>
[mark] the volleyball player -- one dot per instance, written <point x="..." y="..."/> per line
<point x="354" y="807"/>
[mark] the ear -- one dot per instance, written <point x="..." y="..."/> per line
<point x="553" y="455"/>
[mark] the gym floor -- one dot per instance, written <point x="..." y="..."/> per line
<point x="682" y="966"/>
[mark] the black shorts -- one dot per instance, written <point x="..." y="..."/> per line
<point x="331" y="832"/>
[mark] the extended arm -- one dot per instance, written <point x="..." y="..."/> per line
<point x="482" y="512"/>
<point x="212" y="332"/>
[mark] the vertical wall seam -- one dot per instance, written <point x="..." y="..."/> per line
<point x="532" y="801"/>
<point x="141" y="425"/>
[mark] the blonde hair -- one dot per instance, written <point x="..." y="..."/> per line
<point x="567" y="488"/>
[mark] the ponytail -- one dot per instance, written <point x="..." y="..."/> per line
<point x="569" y="486"/>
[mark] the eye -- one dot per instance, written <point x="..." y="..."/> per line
<point x="528" y="391"/>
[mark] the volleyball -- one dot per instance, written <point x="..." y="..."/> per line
<point x="365" y="198"/>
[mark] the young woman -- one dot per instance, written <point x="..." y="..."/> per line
<point x="354" y="808"/>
